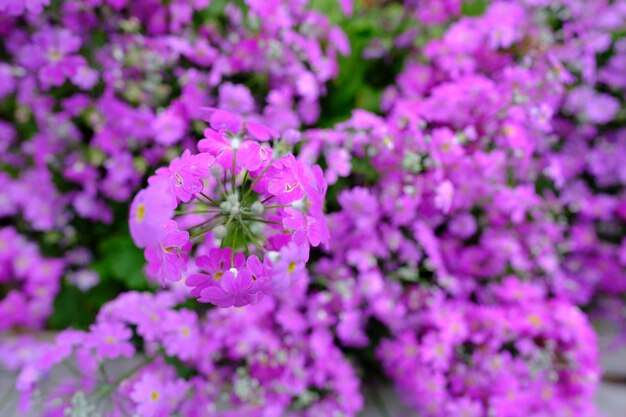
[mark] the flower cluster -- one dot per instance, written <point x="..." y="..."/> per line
<point x="256" y="206"/>
<point x="230" y="362"/>
<point x="31" y="281"/>
<point x="453" y="228"/>
<point x="513" y="354"/>
<point x="95" y="93"/>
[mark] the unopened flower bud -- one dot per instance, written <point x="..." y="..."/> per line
<point x="220" y="231"/>
<point x="273" y="256"/>
<point x="256" y="228"/>
<point x="257" y="208"/>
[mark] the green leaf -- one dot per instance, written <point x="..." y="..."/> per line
<point x="475" y="7"/>
<point x="119" y="258"/>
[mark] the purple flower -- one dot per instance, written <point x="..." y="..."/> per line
<point x="154" y="397"/>
<point x="52" y="55"/>
<point x="169" y="127"/>
<point x="236" y="98"/>
<point x="290" y="266"/>
<point x="236" y="288"/>
<point x="167" y="260"/>
<point x="150" y="210"/>
<point x="19" y="7"/>
<point x="110" y="340"/>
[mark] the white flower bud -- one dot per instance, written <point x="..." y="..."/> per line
<point x="225" y="206"/>
<point x="220" y="231"/>
<point x="257" y="208"/>
<point x="234" y="209"/>
<point x="235" y="142"/>
<point x="256" y="228"/>
<point x="273" y="256"/>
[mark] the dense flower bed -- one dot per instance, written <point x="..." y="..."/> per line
<point x="259" y="208"/>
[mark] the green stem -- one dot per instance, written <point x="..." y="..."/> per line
<point x="245" y="177"/>
<point x="254" y="219"/>
<point x="256" y="180"/>
<point x="277" y="206"/>
<point x="213" y="202"/>
<point x="204" y="222"/>
<point x="183" y="213"/>
<point x="267" y="199"/>
<point x="232" y="177"/>
<point x="202" y="231"/>
<point x="252" y="238"/>
<point x="232" y="252"/>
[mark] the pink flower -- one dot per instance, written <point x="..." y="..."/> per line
<point x="185" y="174"/>
<point x="261" y="273"/>
<point x="156" y="398"/>
<point x="216" y="263"/>
<point x="111" y="340"/>
<point x="253" y="156"/>
<point x="304" y="227"/>
<point x="181" y="338"/>
<point x="18" y="7"/>
<point x="150" y="210"/>
<point x="281" y="180"/>
<point x="51" y="54"/>
<point x="290" y="266"/>
<point x="217" y="144"/>
<point x="169" y="127"/>
<point x="236" y="289"/>
<point x="168" y="259"/>
<point x="444" y="196"/>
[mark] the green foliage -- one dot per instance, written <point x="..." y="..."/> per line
<point x="359" y="84"/>
<point x="474" y="7"/>
<point x="361" y="81"/>
<point x="118" y="262"/>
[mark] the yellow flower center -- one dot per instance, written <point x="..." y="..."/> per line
<point x="534" y="320"/>
<point x="109" y="339"/>
<point x="291" y="267"/>
<point x="141" y="212"/>
<point x="54" y="55"/>
<point x="154" y="396"/>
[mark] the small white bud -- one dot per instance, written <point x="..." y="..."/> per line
<point x="234" y="209"/>
<point x="225" y="206"/>
<point x="256" y="228"/>
<point x="220" y="231"/>
<point x="273" y="255"/>
<point x="257" y="208"/>
<point x="233" y="198"/>
<point x="235" y="142"/>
